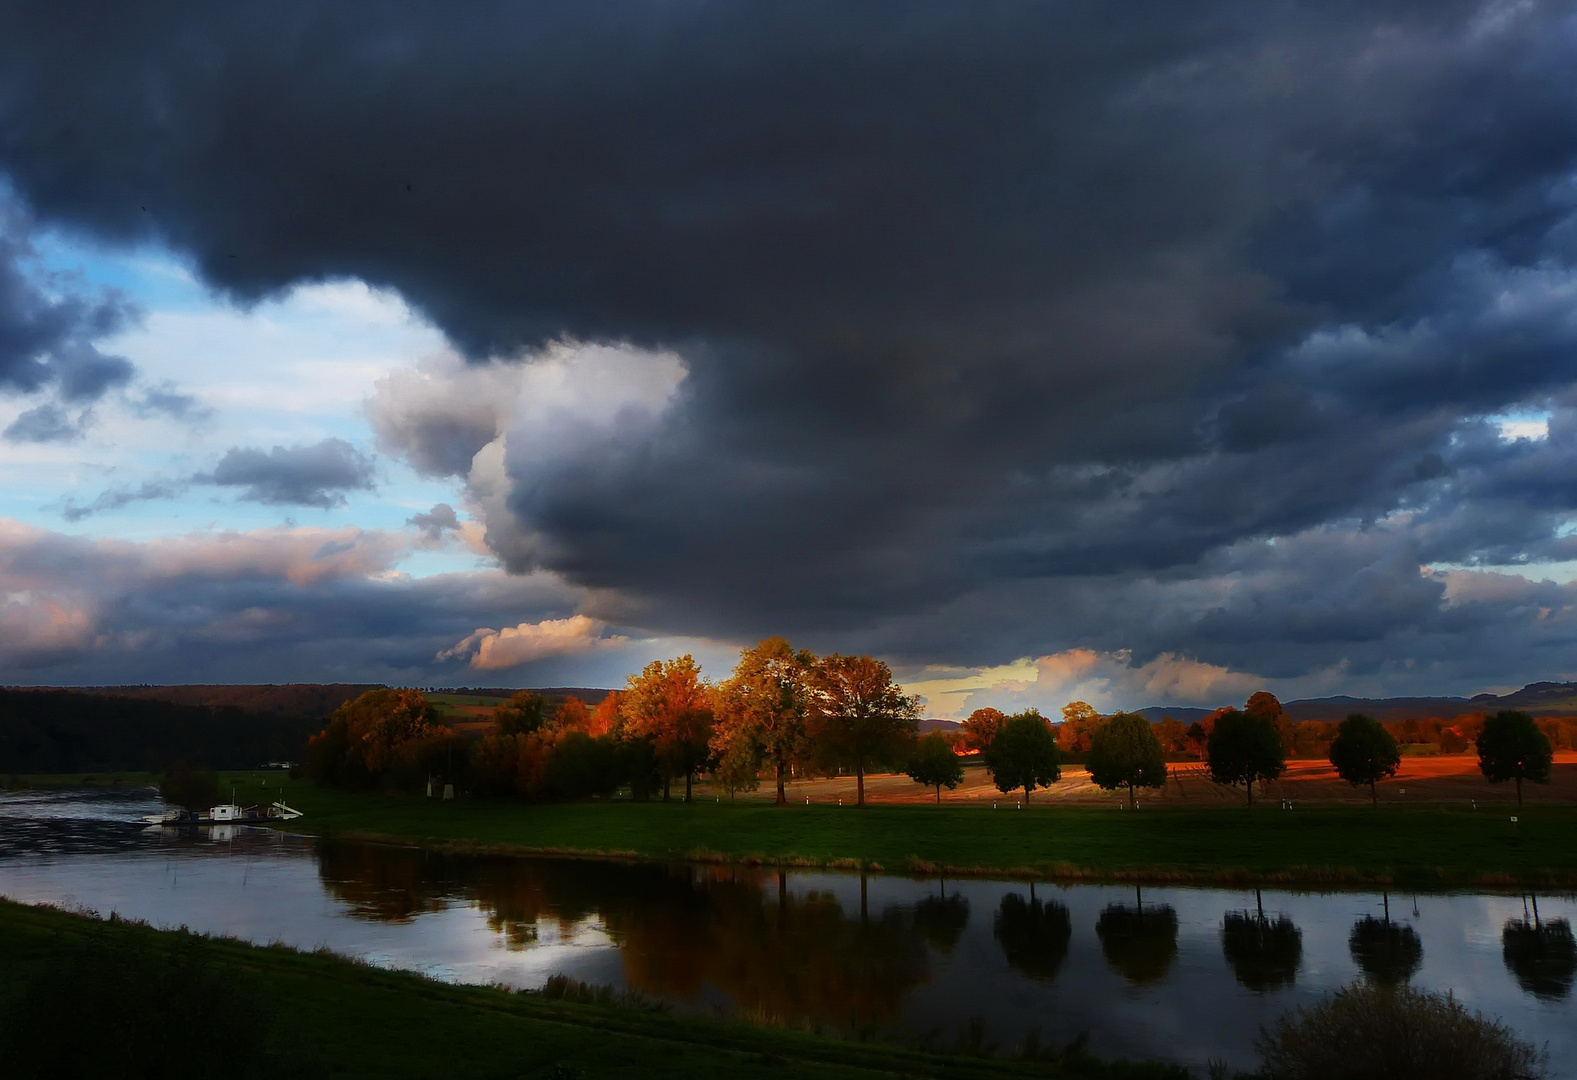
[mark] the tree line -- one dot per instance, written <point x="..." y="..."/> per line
<point x="65" y="731"/>
<point x="785" y="713"/>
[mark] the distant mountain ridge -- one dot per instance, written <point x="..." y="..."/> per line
<point x="1541" y="698"/>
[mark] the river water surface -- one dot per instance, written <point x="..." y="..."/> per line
<point x="1178" y="974"/>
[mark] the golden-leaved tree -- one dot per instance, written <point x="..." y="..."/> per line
<point x="670" y="704"/>
<point x="763" y="713"/>
<point x="860" y="718"/>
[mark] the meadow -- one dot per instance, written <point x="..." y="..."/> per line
<point x="1419" y="844"/>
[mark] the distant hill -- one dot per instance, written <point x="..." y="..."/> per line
<point x="589" y="694"/>
<point x="292" y="699"/>
<point x="1541" y="699"/>
<point x="53" y="731"/>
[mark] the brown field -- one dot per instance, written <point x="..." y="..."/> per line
<point x="1436" y="779"/>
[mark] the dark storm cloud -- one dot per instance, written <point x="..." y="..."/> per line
<point x="316" y="475"/>
<point x="987" y="300"/>
<point x="48" y="326"/>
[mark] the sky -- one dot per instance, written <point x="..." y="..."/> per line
<point x="1145" y="354"/>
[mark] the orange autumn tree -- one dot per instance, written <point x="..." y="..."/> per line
<point x="763" y="711"/>
<point x="980" y="728"/>
<point x="860" y="717"/>
<point x="671" y="705"/>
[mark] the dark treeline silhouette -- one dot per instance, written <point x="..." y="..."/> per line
<point x="293" y="699"/>
<point x="54" y="731"/>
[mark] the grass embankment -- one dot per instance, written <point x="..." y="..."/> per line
<point x="1420" y="846"/>
<point x="320" y="1015"/>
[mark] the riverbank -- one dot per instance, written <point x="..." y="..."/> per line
<point x="321" y="1015"/>
<point x="1426" y="847"/>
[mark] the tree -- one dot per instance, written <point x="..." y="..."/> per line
<point x="189" y="788"/>
<point x="980" y="728"/>
<point x="525" y="712"/>
<point x="859" y="716"/>
<point x="1242" y="749"/>
<point x="1511" y="747"/>
<point x="1079" y="721"/>
<point x="1363" y="752"/>
<point x="1125" y="752"/>
<point x="935" y="765"/>
<point x="1024" y="754"/>
<point x="1264" y="704"/>
<point x="369" y="736"/>
<point x="669" y="704"/>
<point x="763" y="710"/>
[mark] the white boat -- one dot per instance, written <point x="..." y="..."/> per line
<point x="225" y="814"/>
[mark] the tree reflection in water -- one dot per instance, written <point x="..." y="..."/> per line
<point x="1541" y="956"/>
<point x="1264" y="953"/>
<point x="941" y="920"/>
<point x="1034" y="935"/>
<point x="1139" y="942"/>
<point x="1386" y="953"/>
<point x="779" y="956"/>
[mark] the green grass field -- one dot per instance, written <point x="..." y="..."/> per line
<point x="315" y="1015"/>
<point x="1420" y="846"/>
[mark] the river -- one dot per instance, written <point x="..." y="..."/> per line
<point x="1179" y="974"/>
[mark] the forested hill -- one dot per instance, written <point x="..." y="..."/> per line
<point x="1541" y="699"/>
<point x="296" y="699"/>
<point x="55" y="731"/>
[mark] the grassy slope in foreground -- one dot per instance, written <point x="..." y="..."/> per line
<point x="1423" y="846"/>
<point x="330" y="1017"/>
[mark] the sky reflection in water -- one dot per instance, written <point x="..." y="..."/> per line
<point x="1178" y="973"/>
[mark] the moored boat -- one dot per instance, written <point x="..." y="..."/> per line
<point x="225" y="814"/>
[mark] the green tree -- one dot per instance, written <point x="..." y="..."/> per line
<point x="860" y="717"/>
<point x="1124" y="752"/>
<point x="1511" y="747"/>
<point x="981" y="727"/>
<point x="525" y="712"/>
<point x="188" y="787"/>
<point x="763" y="711"/>
<point x="1242" y="749"/>
<point x="1363" y="752"/>
<point x="1024" y="754"/>
<point x="935" y="765"/>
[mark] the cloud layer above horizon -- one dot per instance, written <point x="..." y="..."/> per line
<point x="1185" y="349"/>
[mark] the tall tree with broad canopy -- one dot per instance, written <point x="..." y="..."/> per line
<point x="1363" y="752"/>
<point x="1125" y="752"/>
<point x="525" y="711"/>
<point x="981" y="727"/>
<point x="1511" y="747"/>
<point x="859" y="716"/>
<point x="764" y="709"/>
<point x="935" y="765"/>
<point x="1024" y="754"/>
<point x="670" y="704"/>
<point x="1244" y="748"/>
<point x="1079" y="721"/>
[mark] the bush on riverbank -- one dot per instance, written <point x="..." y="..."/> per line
<point x="1367" y="1031"/>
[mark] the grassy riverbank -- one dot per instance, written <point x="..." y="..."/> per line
<point x="316" y="1015"/>
<point x="1421" y="846"/>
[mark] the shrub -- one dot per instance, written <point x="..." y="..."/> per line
<point x="1366" y="1031"/>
